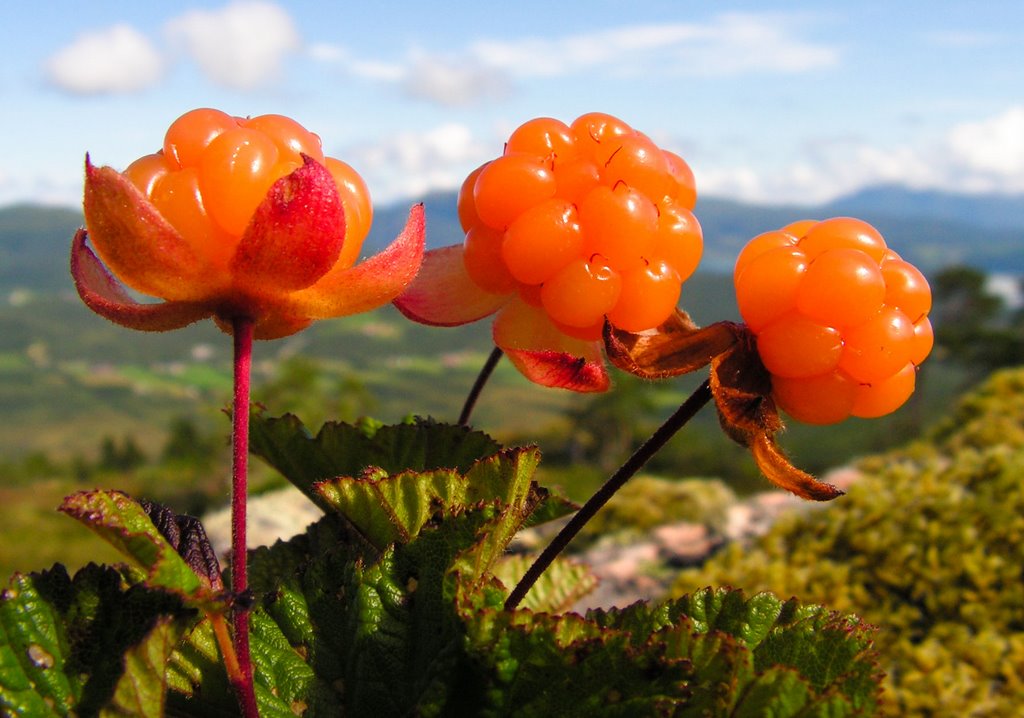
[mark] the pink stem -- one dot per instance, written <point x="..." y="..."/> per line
<point x="243" y="332"/>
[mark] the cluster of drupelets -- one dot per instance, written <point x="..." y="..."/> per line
<point x="592" y="221"/>
<point x="841" y="320"/>
<point x="588" y="220"/>
<point x="215" y="169"/>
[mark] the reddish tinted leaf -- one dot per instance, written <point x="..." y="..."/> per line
<point x="136" y="242"/>
<point x="295" y="235"/>
<point x="107" y="297"/>
<point x="443" y="295"/>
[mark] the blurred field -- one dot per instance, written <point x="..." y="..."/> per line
<point x="71" y="383"/>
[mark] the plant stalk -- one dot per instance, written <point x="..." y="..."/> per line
<point x="694" y="403"/>
<point x="243" y="334"/>
<point x="485" y="373"/>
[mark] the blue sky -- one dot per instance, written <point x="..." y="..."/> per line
<point x="768" y="101"/>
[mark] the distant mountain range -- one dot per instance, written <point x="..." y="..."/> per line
<point x="994" y="211"/>
<point x="34" y="244"/>
<point x="933" y="229"/>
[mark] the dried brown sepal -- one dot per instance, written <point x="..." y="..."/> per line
<point x="677" y="346"/>
<point x="777" y="469"/>
<point x="739" y="383"/>
<point x="742" y="389"/>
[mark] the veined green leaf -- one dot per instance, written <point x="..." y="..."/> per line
<point x="92" y="645"/>
<point x="122" y="522"/>
<point x="556" y="591"/>
<point x="345" y="450"/>
<point x="34" y="652"/>
<point x="394" y="508"/>
<point x="142" y="688"/>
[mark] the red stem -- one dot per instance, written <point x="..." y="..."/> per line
<point x="243" y="332"/>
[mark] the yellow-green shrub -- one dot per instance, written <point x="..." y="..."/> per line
<point x="929" y="546"/>
<point x="648" y="501"/>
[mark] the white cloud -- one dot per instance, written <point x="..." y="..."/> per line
<point x="411" y="164"/>
<point x="118" y="59"/>
<point x="992" y="149"/>
<point x="326" y="52"/>
<point x="242" y="45"/>
<point x="340" y="57"/>
<point x="451" y="82"/>
<point x="729" y="44"/>
<point x="41" y="186"/>
<point x="962" y="39"/>
<point x="982" y="156"/>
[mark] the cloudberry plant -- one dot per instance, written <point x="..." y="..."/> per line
<point x="841" y="321"/>
<point x="596" y="193"/>
<point x="244" y="221"/>
<point x="574" y="224"/>
<point x="836" y="324"/>
<point x="579" y="237"/>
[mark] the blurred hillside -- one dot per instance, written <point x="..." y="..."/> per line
<point x="87" y="403"/>
<point x="931" y="229"/>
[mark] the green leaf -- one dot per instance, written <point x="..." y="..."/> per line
<point x="692" y="657"/>
<point x="196" y="664"/>
<point x="286" y="679"/>
<point x="123" y="522"/>
<point x="748" y="619"/>
<point x="791" y="659"/>
<point x="392" y="605"/>
<point x="358" y="615"/>
<point x="776" y="693"/>
<point x="141" y="690"/>
<point x="567" y="665"/>
<point x="346" y="450"/>
<point x="388" y="509"/>
<point x="34" y="653"/>
<point x="395" y="602"/>
<point x="829" y="651"/>
<point x="93" y="645"/>
<point x="556" y="591"/>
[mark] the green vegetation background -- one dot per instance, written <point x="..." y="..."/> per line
<point x="87" y="404"/>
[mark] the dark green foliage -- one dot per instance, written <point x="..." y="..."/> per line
<point x="929" y="546"/>
<point x="392" y="605"/>
<point x="972" y="324"/>
<point x="186" y="444"/>
<point x="715" y="653"/>
<point x="76" y="646"/>
<point x="347" y="449"/>
<point x="123" y="455"/>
